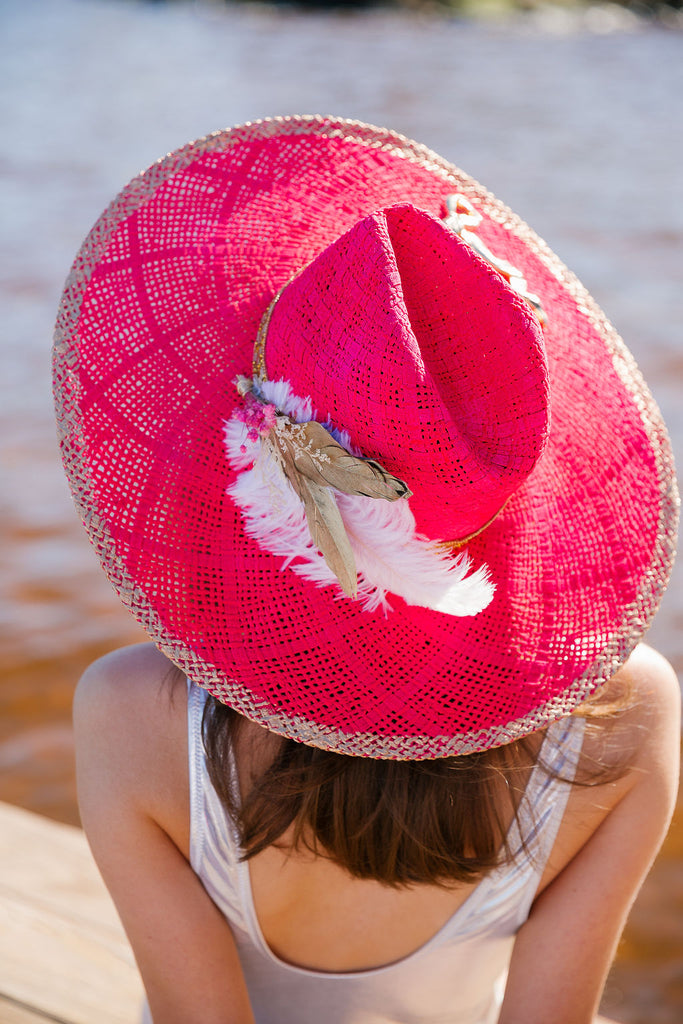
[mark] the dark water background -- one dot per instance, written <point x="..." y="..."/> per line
<point x="574" y="119"/>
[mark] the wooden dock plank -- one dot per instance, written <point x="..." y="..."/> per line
<point x="63" y="953"/>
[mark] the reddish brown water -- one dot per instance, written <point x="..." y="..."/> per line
<point x="565" y="120"/>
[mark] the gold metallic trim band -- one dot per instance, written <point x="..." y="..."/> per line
<point x="452" y="545"/>
<point x="259" y="358"/>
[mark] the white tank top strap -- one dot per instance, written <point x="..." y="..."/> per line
<point x="214" y="844"/>
<point x="196" y="698"/>
<point x="507" y="892"/>
<point x="544" y="800"/>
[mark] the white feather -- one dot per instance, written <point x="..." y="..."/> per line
<point x="390" y="556"/>
<point x="273" y="513"/>
<point x="279" y="393"/>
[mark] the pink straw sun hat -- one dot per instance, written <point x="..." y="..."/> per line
<point x="359" y="453"/>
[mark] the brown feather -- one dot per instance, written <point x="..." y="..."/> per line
<point x="324" y="519"/>
<point x="329" y="534"/>
<point x="318" y="457"/>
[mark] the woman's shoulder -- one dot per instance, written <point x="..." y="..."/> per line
<point x="133" y="691"/>
<point x="127" y="673"/>
<point x="642" y="704"/>
<point x="651" y="677"/>
<point x="629" y="761"/>
<point x="130" y="722"/>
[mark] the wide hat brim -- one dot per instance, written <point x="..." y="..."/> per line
<point x="160" y="314"/>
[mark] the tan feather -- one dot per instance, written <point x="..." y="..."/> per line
<point x="325" y="523"/>
<point x="318" y="457"/>
<point x="328" y="533"/>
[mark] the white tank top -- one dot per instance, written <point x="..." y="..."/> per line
<point x="457" y="977"/>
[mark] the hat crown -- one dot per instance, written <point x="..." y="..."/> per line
<point x="409" y="341"/>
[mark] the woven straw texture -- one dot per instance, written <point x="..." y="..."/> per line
<point x="159" y="315"/>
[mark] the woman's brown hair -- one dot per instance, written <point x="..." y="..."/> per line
<point x="398" y="822"/>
